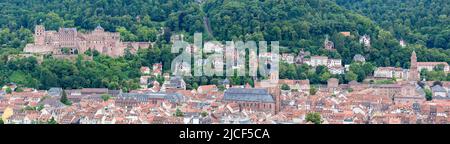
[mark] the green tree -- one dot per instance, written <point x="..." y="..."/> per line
<point x="8" y="90"/>
<point x="361" y="75"/>
<point x="40" y="107"/>
<point x="204" y="114"/>
<point x="178" y="113"/>
<point x="195" y="85"/>
<point x="350" y="76"/>
<point x="64" y="99"/>
<point x="1" y="121"/>
<point x="285" y="87"/>
<point x="312" y="91"/>
<point x="106" y="97"/>
<point x="314" y="117"/>
<point x="428" y="94"/>
<point x="19" y="89"/>
<point x="126" y="35"/>
<point x="325" y="76"/>
<point x="221" y="87"/>
<point x="52" y="121"/>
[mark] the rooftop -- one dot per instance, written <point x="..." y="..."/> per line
<point x="248" y="94"/>
<point x="438" y="88"/>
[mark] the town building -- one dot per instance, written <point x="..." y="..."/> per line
<point x="75" y="95"/>
<point x="254" y="99"/>
<point x="334" y="63"/>
<point x="386" y="90"/>
<point x="130" y="100"/>
<point x="317" y="61"/>
<point x="337" y="70"/>
<point x="300" y="58"/>
<point x="302" y="86"/>
<point x="390" y="72"/>
<point x="204" y="89"/>
<point x="288" y="58"/>
<point x="439" y="91"/>
<point x="175" y="83"/>
<point x="55" y="92"/>
<point x="345" y="33"/>
<point x="430" y="66"/>
<point x="410" y="92"/>
<point x="157" y="69"/>
<point x="145" y="70"/>
<point x="333" y="84"/>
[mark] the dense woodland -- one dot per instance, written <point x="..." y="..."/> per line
<point x="426" y="22"/>
<point x="297" y="24"/>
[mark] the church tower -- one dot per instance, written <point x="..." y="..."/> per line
<point x="39" y="35"/>
<point x="413" y="72"/>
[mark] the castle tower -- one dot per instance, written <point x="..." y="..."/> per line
<point x="413" y="72"/>
<point x="39" y="35"/>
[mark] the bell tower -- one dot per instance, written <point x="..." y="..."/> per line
<point x="413" y="71"/>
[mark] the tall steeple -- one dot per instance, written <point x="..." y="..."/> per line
<point x="413" y="72"/>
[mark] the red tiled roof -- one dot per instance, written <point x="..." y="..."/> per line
<point x="431" y="63"/>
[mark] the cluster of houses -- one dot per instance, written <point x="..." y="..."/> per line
<point x="335" y="66"/>
<point x="405" y="74"/>
<point x="164" y="99"/>
<point x="402" y="102"/>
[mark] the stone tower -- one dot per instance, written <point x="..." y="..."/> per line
<point x="276" y="94"/>
<point x="413" y="72"/>
<point x="39" y="35"/>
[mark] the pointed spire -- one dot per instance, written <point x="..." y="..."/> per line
<point x="100" y="28"/>
<point x="413" y="56"/>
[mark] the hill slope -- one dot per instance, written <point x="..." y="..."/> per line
<point x="418" y="21"/>
<point x="295" y="23"/>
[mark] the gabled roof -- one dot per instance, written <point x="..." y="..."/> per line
<point x="53" y="102"/>
<point x="55" y="92"/>
<point x="248" y="94"/>
<point x="172" y="97"/>
<point x="438" y="88"/>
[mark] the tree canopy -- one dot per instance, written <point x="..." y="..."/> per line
<point x="297" y="24"/>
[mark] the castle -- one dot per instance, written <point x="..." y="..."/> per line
<point x="68" y="41"/>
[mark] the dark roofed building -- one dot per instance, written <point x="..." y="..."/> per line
<point x="76" y="95"/>
<point x="52" y="102"/>
<point x="55" y="92"/>
<point x="155" y="99"/>
<point x="250" y="99"/>
<point x="175" y="83"/>
<point x="416" y="107"/>
<point x="94" y="91"/>
<point x="439" y="91"/>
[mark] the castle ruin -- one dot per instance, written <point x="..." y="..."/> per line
<point x="68" y="41"/>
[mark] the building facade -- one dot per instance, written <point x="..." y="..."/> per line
<point x="68" y="41"/>
<point x="255" y="99"/>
